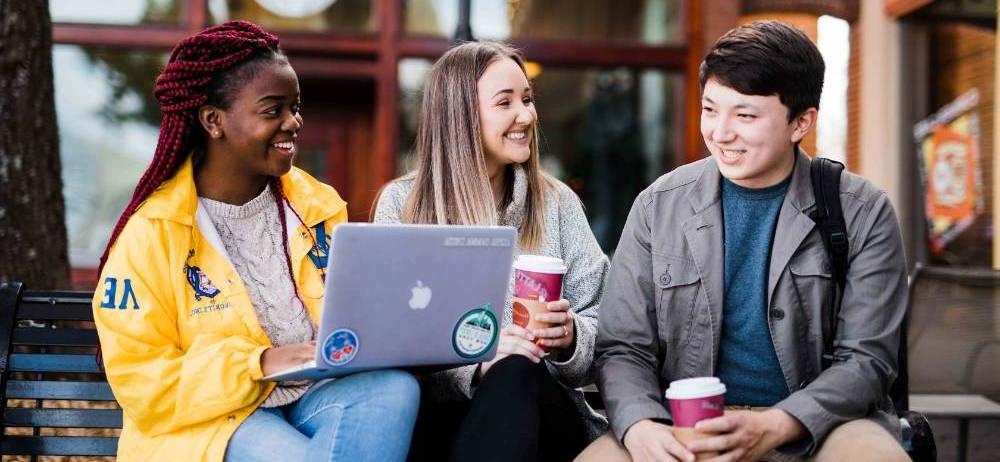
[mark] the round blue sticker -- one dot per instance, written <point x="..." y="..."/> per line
<point x="340" y="347"/>
<point x="475" y="333"/>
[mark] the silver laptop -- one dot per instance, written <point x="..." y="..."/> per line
<point x="410" y="296"/>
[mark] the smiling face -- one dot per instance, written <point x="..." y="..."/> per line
<point x="506" y="114"/>
<point x="257" y="132"/>
<point x="749" y="136"/>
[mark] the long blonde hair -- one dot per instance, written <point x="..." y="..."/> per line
<point x="452" y="185"/>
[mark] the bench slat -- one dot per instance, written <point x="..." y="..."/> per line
<point x="66" y="418"/>
<point x="47" y="312"/>
<point x="57" y="296"/>
<point x="56" y="306"/>
<point x="40" y="336"/>
<point x="955" y="405"/>
<point x="30" y="389"/>
<point x="32" y="362"/>
<point x="59" y="445"/>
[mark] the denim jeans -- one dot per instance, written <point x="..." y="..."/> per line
<point x="361" y="417"/>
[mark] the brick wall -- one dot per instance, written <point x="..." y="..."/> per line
<point x="719" y="17"/>
<point x="854" y="101"/>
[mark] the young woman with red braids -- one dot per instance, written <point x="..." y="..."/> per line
<point x="213" y="278"/>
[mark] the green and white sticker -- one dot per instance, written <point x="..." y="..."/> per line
<point x="476" y="332"/>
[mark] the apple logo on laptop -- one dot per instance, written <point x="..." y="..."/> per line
<point x="421" y="296"/>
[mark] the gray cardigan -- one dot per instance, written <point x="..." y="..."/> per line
<point x="567" y="236"/>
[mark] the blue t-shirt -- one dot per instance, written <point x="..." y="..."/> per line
<point x="747" y="363"/>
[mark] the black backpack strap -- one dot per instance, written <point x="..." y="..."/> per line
<point x="829" y="218"/>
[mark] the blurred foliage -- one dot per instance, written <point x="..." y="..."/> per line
<point x="129" y="73"/>
<point x="133" y="72"/>
<point x="353" y="15"/>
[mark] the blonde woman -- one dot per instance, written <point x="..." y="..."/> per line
<point x="477" y="152"/>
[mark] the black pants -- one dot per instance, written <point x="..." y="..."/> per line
<point x="518" y="413"/>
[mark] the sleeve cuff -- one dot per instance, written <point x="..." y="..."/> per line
<point x="463" y="379"/>
<point x="627" y="416"/>
<point x="809" y="413"/>
<point x="576" y="350"/>
<point x="578" y="369"/>
<point x="254" y="363"/>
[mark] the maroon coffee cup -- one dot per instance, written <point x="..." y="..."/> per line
<point x="537" y="281"/>
<point x="538" y="277"/>
<point x="696" y="399"/>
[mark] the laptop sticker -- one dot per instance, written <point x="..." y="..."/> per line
<point x="340" y="347"/>
<point x="476" y="332"/>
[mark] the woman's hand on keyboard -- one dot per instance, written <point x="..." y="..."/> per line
<point x="277" y="359"/>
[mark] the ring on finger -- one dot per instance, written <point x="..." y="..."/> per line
<point x="565" y="331"/>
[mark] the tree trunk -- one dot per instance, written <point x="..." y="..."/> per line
<point x="32" y="214"/>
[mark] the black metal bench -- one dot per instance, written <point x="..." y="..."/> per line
<point x="955" y="346"/>
<point x="47" y="362"/>
<point x="48" y="356"/>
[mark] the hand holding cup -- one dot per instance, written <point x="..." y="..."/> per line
<point x="537" y="283"/>
<point x="561" y="333"/>
<point x="695" y="400"/>
<point x="649" y="441"/>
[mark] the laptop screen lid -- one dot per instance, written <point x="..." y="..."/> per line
<point x="413" y="295"/>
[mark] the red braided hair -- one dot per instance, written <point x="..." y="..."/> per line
<point x="195" y="68"/>
<point x="279" y="196"/>
<point x="198" y="73"/>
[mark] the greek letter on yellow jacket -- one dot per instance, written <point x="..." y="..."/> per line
<point x="179" y="334"/>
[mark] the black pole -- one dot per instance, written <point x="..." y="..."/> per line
<point x="463" y="31"/>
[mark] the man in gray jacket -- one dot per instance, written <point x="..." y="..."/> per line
<point x="720" y="271"/>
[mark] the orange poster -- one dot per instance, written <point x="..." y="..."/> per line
<point x="949" y="151"/>
<point x="952" y="175"/>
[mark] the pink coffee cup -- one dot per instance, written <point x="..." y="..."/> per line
<point x="537" y="281"/>
<point x="696" y="399"/>
<point x="537" y="277"/>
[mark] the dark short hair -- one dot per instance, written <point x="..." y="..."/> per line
<point x="768" y="58"/>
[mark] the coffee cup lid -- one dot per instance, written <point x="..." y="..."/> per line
<point x="698" y="387"/>
<point x="540" y="264"/>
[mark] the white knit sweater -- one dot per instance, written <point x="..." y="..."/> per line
<point x="252" y="235"/>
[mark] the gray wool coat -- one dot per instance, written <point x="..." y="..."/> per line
<point x="567" y="236"/>
<point x="661" y="311"/>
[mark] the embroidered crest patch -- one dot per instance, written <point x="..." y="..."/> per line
<point x="320" y="252"/>
<point x="199" y="282"/>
